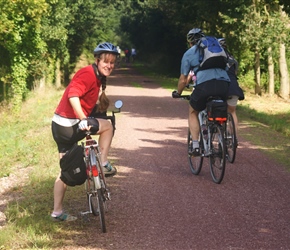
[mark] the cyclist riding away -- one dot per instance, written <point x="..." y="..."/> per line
<point x="209" y="82"/>
<point x="70" y="119"/>
<point x="235" y="92"/>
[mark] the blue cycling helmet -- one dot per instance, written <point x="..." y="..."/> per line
<point x="105" y="47"/>
<point x="194" y="35"/>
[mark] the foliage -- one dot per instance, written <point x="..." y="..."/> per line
<point x="42" y="37"/>
<point x="248" y="26"/>
<point x="36" y="35"/>
<point x="20" y="39"/>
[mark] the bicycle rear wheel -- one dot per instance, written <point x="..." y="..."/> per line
<point x="217" y="158"/>
<point x="195" y="162"/>
<point x="231" y="139"/>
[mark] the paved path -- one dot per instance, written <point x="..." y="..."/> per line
<point x="158" y="204"/>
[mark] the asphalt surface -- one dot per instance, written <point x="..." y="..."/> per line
<point x="157" y="203"/>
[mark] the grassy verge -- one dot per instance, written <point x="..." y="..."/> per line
<point x="27" y="142"/>
<point x="29" y="148"/>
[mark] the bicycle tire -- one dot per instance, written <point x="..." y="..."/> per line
<point x="101" y="208"/>
<point x="195" y="162"/>
<point x="96" y="201"/>
<point x="231" y="139"/>
<point x="90" y="187"/>
<point x="97" y="198"/>
<point x="217" y="158"/>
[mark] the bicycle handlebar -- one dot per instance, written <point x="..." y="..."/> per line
<point x="186" y="97"/>
<point x="112" y="118"/>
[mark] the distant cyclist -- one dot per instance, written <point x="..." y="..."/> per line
<point x="235" y="92"/>
<point x="209" y="82"/>
<point x="127" y="55"/>
<point x="133" y="54"/>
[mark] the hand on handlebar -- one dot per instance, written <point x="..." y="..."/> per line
<point x="175" y="94"/>
<point x="83" y="125"/>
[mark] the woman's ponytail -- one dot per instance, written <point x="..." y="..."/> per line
<point x="104" y="101"/>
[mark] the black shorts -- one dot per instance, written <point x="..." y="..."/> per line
<point x="204" y="90"/>
<point x="66" y="137"/>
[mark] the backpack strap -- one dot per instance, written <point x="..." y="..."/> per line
<point x="103" y="79"/>
<point x="200" y="48"/>
<point x="96" y="70"/>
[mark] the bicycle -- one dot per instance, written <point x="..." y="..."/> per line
<point x="97" y="190"/>
<point x="211" y="139"/>
<point x="231" y="138"/>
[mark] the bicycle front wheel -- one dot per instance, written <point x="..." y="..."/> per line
<point x="195" y="162"/>
<point x="217" y="158"/>
<point x="92" y="202"/>
<point x="101" y="208"/>
<point x="96" y="201"/>
<point x="96" y="195"/>
<point x="231" y="139"/>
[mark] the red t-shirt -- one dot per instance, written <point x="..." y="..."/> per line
<point x="84" y="85"/>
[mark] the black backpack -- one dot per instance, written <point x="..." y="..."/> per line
<point x="73" y="167"/>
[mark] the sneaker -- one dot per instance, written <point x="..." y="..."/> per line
<point x="108" y="169"/>
<point x="195" y="149"/>
<point x="63" y="217"/>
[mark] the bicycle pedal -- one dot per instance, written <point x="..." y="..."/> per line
<point x="85" y="216"/>
<point x="85" y="213"/>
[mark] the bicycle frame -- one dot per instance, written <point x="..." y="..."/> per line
<point x="214" y="147"/>
<point x="96" y="187"/>
<point x="91" y="160"/>
<point x="203" y="117"/>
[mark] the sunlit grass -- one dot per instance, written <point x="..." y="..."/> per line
<point x="136" y="84"/>
<point x="29" y="148"/>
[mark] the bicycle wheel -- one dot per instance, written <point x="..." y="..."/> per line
<point x="195" y="162"/>
<point x="92" y="202"/>
<point x="96" y="196"/>
<point x="231" y="139"/>
<point x="217" y="158"/>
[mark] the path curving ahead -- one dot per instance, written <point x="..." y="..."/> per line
<point x="158" y="204"/>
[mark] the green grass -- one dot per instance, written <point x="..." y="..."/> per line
<point x="278" y="121"/>
<point x="28" y="147"/>
<point x="269" y="132"/>
<point x="136" y="84"/>
<point x="26" y="139"/>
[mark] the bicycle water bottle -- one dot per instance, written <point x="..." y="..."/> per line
<point x="204" y="131"/>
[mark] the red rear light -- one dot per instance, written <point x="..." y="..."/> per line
<point x="95" y="171"/>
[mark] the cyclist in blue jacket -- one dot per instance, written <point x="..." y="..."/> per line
<point x="209" y="82"/>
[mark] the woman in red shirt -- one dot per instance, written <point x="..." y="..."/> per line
<point x="70" y="117"/>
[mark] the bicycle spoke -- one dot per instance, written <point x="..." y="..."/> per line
<point x="217" y="156"/>
<point x="231" y="139"/>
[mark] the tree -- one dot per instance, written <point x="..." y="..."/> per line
<point x="21" y="40"/>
